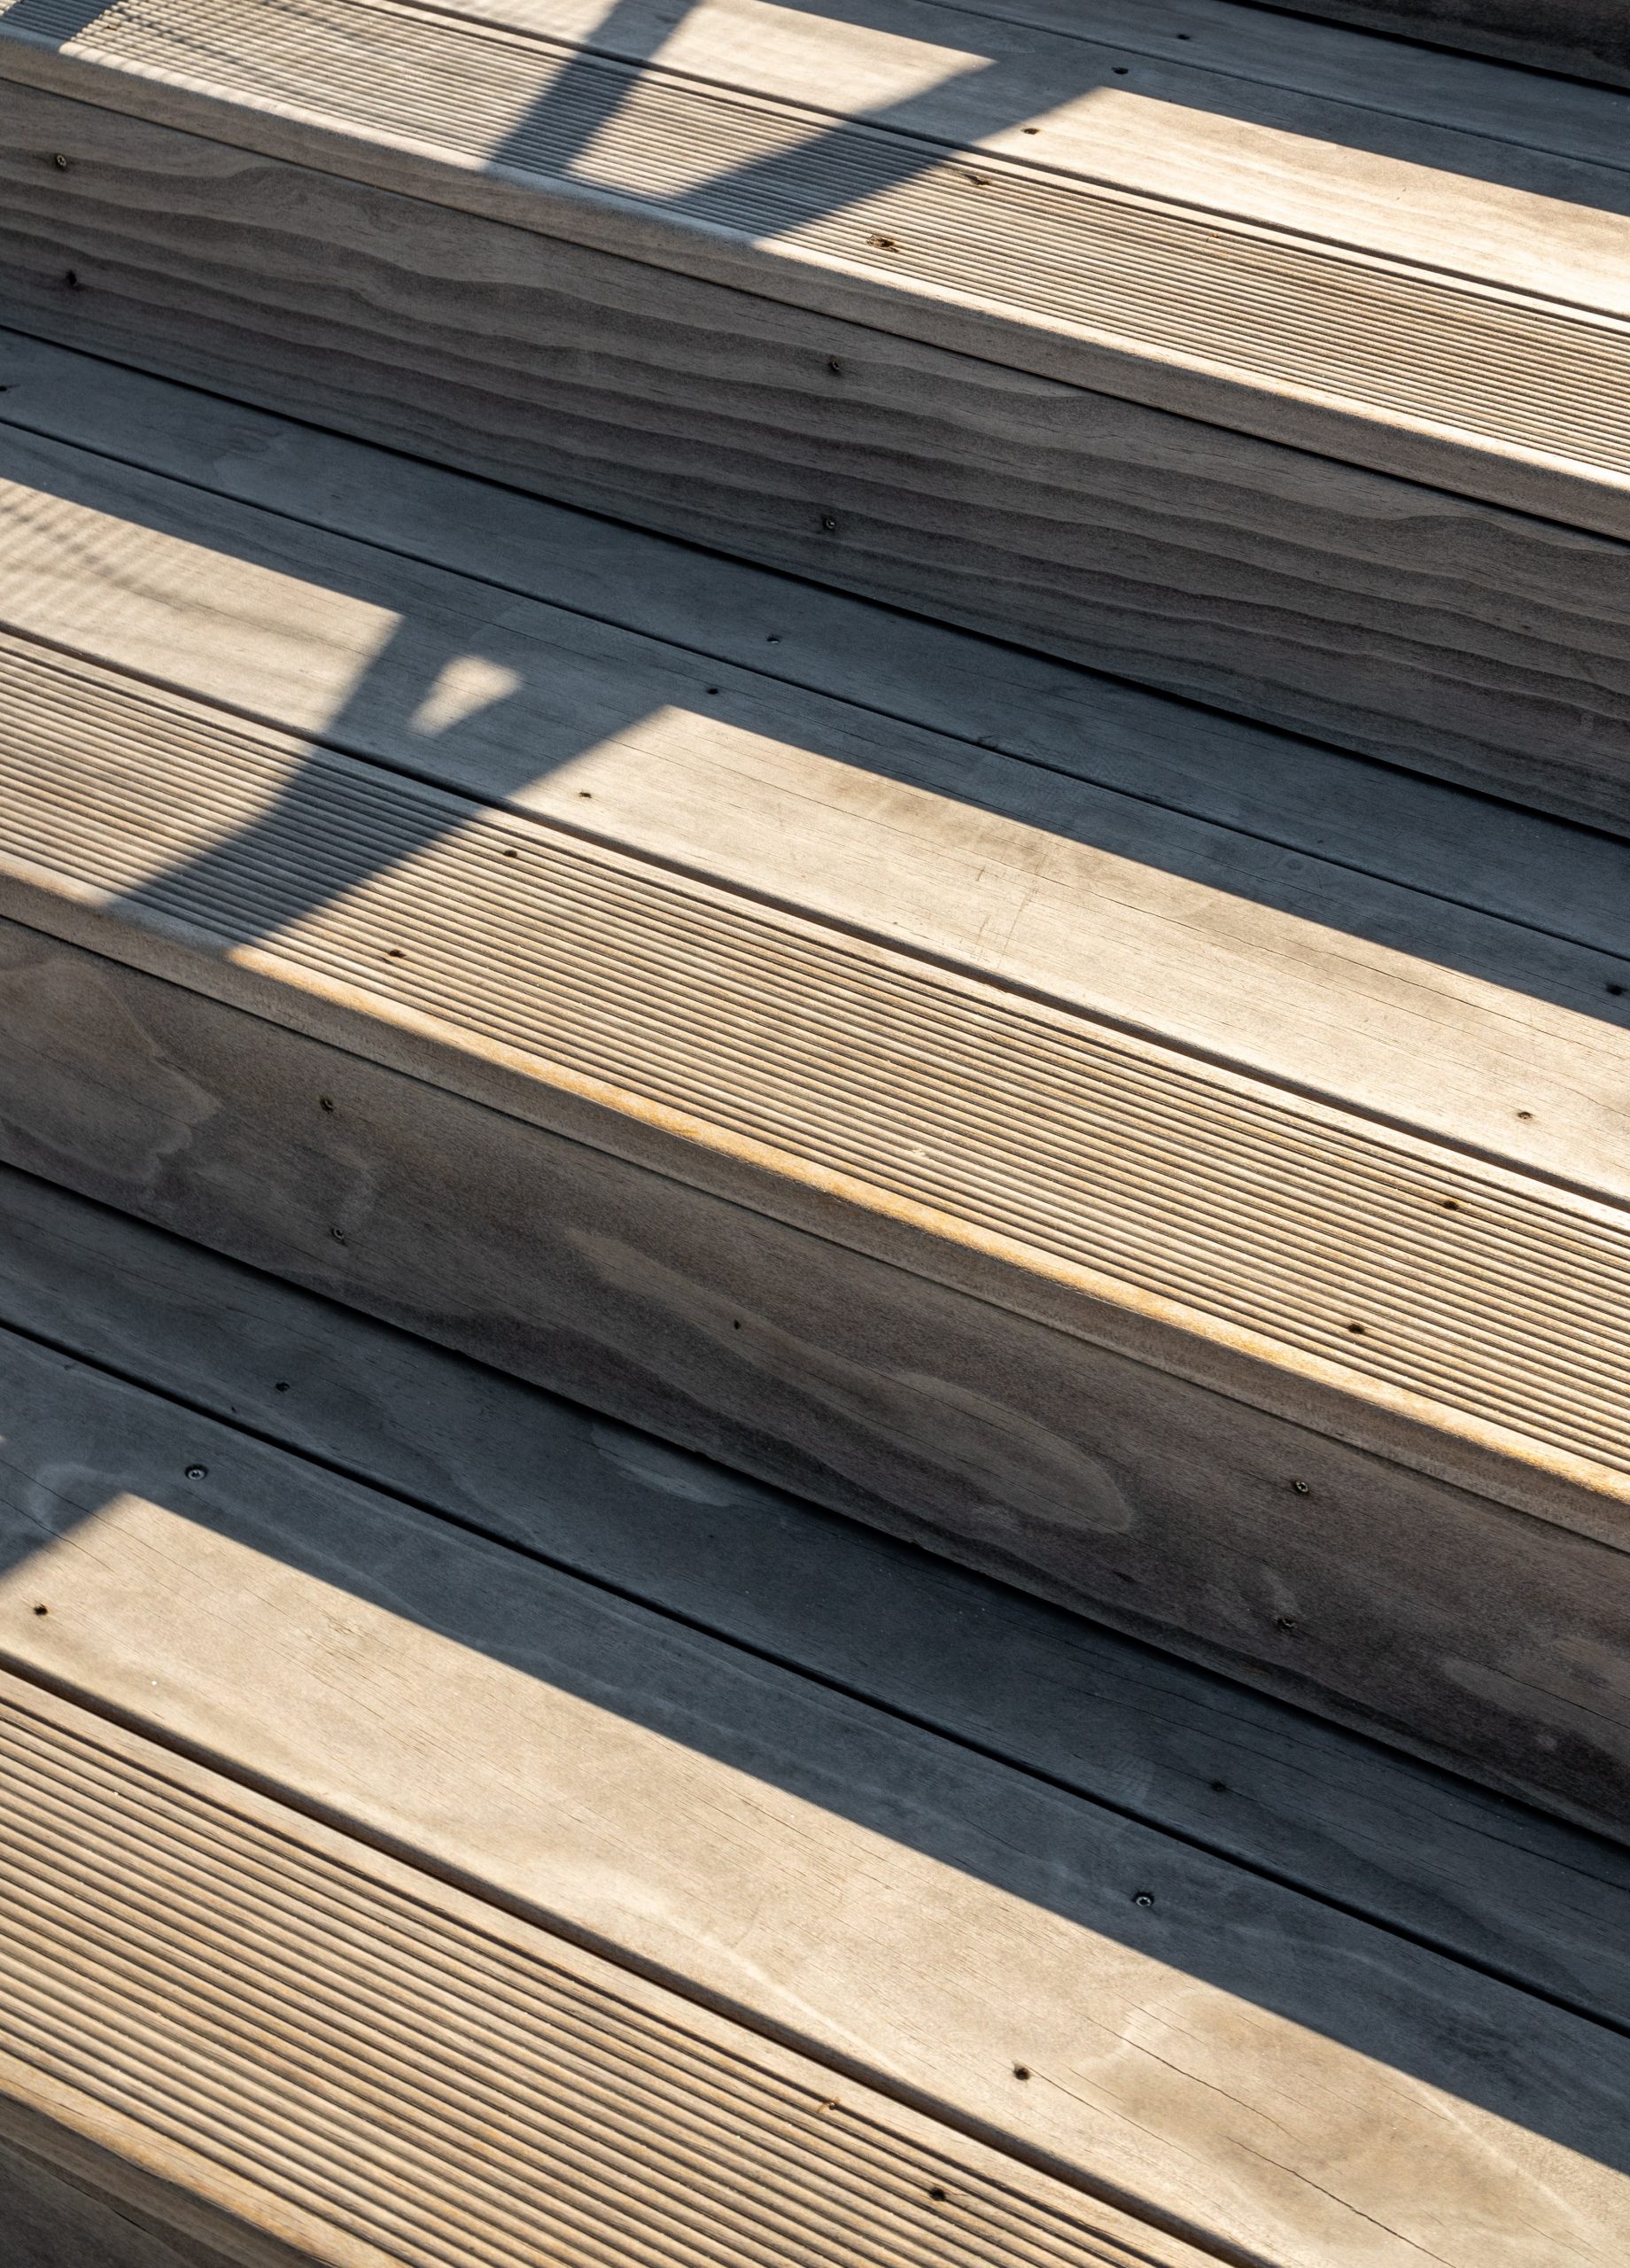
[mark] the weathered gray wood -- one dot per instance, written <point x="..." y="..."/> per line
<point x="1245" y="2063"/>
<point x="1285" y="1794"/>
<point x="1442" y="635"/>
<point x="1204" y="279"/>
<point x="1385" y="999"/>
<point x="1382" y="1597"/>
<point x="1589" y="37"/>
<point x="1397" y="827"/>
<point x="53" y="2222"/>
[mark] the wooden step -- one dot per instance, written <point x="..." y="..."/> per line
<point x="1044" y="328"/>
<point x="323" y="1782"/>
<point x="1224" y="1237"/>
<point x="1591" y="37"/>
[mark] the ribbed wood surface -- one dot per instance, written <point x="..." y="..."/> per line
<point x="413" y="2089"/>
<point x="1415" y="1271"/>
<point x="1545" y="380"/>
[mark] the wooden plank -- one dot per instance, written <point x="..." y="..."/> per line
<point x="1268" y="961"/>
<point x="1414" y="625"/>
<point x="361" y="2067"/>
<point x="1382" y="1597"/>
<point x="1279" y="1792"/>
<point x="1219" y="293"/>
<point x="1394" y="825"/>
<point x="1587" y="36"/>
<point x="1282" y="2079"/>
<point x="747" y="1045"/>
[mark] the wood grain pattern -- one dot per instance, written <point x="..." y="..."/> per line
<point x="1283" y="1793"/>
<point x="1387" y="1599"/>
<point x="1245" y="2064"/>
<point x="1211" y="285"/>
<point x="1448" y="636"/>
<point x="1252" y="954"/>
<point x="901" y="671"/>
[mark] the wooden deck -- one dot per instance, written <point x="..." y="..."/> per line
<point x="814" y="1227"/>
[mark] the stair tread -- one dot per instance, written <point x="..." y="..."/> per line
<point x="1446" y="327"/>
<point x="914" y="1914"/>
<point x="1345" y="1822"/>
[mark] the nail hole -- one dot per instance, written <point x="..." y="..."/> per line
<point x="1285" y="1622"/>
<point x="282" y="1387"/>
<point x="1525" y="1114"/>
<point x="71" y="279"/>
<point x="338" y="1235"/>
<point x="736" y="1326"/>
<point x="1615" y="989"/>
<point x="712" y="688"/>
<point x="979" y="181"/>
<point x="884" y="244"/>
<point x="937" y="2194"/>
<point x="42" y="1610"/>
<point x="774" y="638"/>
<point x="1451" y="1204"/>
<point x="1357" y="1330"/>
<point x="1032" y="129"/>
<point x="1219" y="1787"/>
<point x="834" y="364"/>
<point x="1021" y="2071"/>
<point x="395" y="953"/>
<point x="1120" y="70"/>
<point x="584" y="795"/>
<point x="325" y="1102"/>
<point x="509" y="850"/>
<point x="198" y="1473"/>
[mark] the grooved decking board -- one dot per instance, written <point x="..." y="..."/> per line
<point x="1065" y="1459"/>
<point x="1245" y="2063"/>
<point x="347" y="2056"/>
<point x="1589" y="37"/>
<point x="1490" y="382"/>
<point x="1399" y="621"/>
<point x="1449" y="1294"/>
<point x="1346" y="1822"/>
<point x="1212" y="937"/>
<point x="1260" y="788"/>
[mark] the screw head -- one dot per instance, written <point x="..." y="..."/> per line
<point x="829" y="521"/>
<point x="1143" y="1898"/>
<point x="1302" y="1488"/>
<point x="60" y="162"/>
<point x="198" y="1473"/>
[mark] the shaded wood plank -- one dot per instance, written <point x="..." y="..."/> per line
<point x="1247" y="2064"/>
<point x="1587" y="36"/>
<point x="905" y="671"/>
<point x="1381" y="1596"/>
<point x="1391" y="620"/>
<point x="1281" y="1792"/>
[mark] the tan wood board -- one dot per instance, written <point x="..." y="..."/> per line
<point x="1215" y="281"/>
<point x="1245" y="2063"/>
<point x="1299" y="797"/>
<point x="1387" y="1599"/>
<point x="1390" y="620"/>
<point x="1282" y="1793"/>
